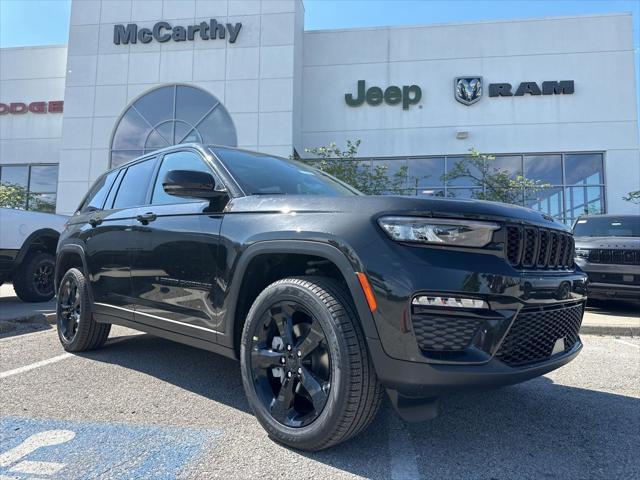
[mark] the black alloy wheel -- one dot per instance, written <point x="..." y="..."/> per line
<point x="69" y="308"/>
<point x="78" y="330"/>
<point x="291" y="364"/>
<point x="305" y="366"/>
<point x="33" y="279"/>
<point x="43" y="278"/>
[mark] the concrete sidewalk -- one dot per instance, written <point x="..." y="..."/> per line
<point x="613" y="319"/>
<point x="16" y="315"/>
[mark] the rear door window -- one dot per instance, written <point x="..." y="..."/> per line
<point x="98" y="193"/>
<point x="135" y="184"/>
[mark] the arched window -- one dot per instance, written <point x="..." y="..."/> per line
<point x="168" y="116"/>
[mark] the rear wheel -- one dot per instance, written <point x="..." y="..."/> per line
<point x="33" y="282"/>
<point x="77" y="329"/>
<point x="305" y="366"/>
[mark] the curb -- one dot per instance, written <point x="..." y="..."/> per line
<point x="613" y="330"/>
<point x="12" y="324"/>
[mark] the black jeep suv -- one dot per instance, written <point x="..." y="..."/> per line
<point x="326" y="296"/>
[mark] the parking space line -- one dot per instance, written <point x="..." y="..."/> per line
<point x="627" y="343"/>
<point x="26" y="368"/>
<point x="49" y="361"/>
<point x="401" y="452"/>
<point x="29" y="334"/>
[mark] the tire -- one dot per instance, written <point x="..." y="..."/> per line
<point x="352" y="393"/>
<point x="33" y="280"/>
<point x="77" y="330"/>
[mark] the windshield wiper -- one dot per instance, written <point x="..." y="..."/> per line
<point x="267" y="193"/>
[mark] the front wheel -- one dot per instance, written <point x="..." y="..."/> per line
<point x="305" y="366"/>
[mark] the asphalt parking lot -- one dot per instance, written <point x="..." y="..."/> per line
<point x="143" y="407"/>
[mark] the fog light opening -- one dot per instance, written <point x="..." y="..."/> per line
<point x="451" y="302"/>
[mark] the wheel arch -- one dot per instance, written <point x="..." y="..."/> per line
<point x="71" y="256"/>
<point x="42" y="240"/>
<point x="241" y="295"/>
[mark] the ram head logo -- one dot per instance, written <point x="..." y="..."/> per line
<point x="468" y="90"/>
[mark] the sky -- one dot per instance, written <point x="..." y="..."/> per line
<point x="46" y="22"/>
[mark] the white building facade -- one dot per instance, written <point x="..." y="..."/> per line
<point x="553" y="99"/>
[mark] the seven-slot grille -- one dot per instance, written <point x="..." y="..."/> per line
<point x="536" y="330"/>
<point x="614" y="257"/>
<point x="538" y="248"/>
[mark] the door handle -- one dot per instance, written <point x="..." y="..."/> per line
<point x="95" y="221"/>
<point x="146" y="217"/>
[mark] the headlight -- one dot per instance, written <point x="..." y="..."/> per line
<point x="461" y="233"/>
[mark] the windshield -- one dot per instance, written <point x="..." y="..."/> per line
<point x="259" y="174"/>
<point x="628" y="226"/>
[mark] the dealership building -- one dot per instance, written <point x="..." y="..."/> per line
<point x="553" y="99"/>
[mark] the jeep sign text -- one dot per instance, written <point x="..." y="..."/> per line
<point x="163" y="32"/>
<point x="408" y="95"/>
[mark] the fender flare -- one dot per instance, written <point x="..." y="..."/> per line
<point x="31" y="239"/>
<point x="76" y="250"/>
<point x="302" y="247"/>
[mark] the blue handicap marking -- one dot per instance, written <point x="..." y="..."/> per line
<point x="58" y="449"/>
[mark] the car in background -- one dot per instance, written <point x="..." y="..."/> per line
<point x="28" y="243"/>
<point x="608" y="250"/>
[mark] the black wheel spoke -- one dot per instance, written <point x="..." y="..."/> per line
<point x="284" y="322"/>
<point x="266" y="358"/>
<point x="281" y="406"/>
<point x="317" y="390"/>
<point x="290" y="364"/>
<point x="311" y="340"/>
<point x="69" y="309"/>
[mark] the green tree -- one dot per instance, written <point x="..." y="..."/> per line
<point x="16" y="196"/>
<point x="495" y="184"/>
<point x="344" y="165"/>
<point x="13" y="195"/>
<point x="633" y="197"/>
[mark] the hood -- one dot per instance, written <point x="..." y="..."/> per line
<point x="613" y="243"/>
<point x="377" y="205"/>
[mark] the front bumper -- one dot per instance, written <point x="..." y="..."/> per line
<point x="521" y="305"/>
<point x="612" y="291"/>
<point x="421" y="380"/>
<point x="612" y="281"/>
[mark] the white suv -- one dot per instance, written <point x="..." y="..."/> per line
<point x="28" y="243"/>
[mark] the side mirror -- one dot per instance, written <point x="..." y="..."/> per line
<point x="191" y="184"/>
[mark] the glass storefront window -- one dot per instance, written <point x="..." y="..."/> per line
<point x="510" y="164"/>
<point x="15" y="175"/>
<point x="463" y="172"/>
<point x="464" y="192"/>
<point x="396" y="170"/>
<point x="564" y="185"/>
<point x="171" y="115"/>
<point x="583" y="169"/>
<point x="545" y="168"/>
<point x="546" y="200"/>
<point x="425" y="172"/>
<point x="30" y="187"/>
<point x="430" y="192"/>
<point x="583" y="201"/>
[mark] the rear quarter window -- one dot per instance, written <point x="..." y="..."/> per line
<point x="98" y="193"/>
